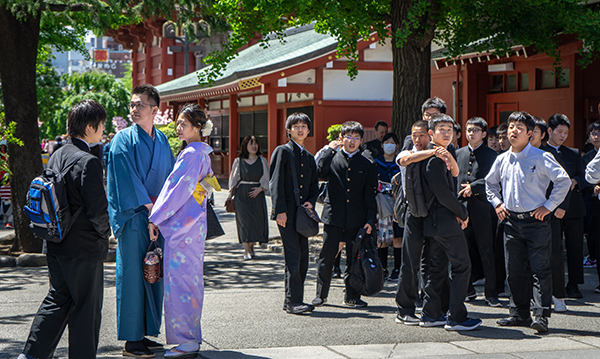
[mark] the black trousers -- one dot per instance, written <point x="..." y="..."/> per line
<point x="594" y="232"/>
<point x="415" y="262"/>
<point x="444" y="250"/>
<point x="573" y="230"/>
<point x="557" y="261"/>
<point x="529" y="239"/>
<point x="332" y="235"/>
<point x="75" y="298"/>
<point x="295" y="251"/>
<point x="479" y="233"/>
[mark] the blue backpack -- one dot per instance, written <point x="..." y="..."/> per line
<point x="47" y="204"/>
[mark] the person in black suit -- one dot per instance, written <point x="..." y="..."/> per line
<point x="75" y="265"/>
<point x="444" y="226"/>
<point x="474" y="163"/>
<point x="295" y="246"/>
<point x="571" y="212"/>
<point x="373" y="148"/>
<point x="350" y="205"/>
<point x="593" y="203"/>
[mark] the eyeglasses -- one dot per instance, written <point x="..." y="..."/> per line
<point x="473" y="130"/>
<point x="139" y="105"/>
<point x="350" y="138"/>
<point x="594" y="134"/>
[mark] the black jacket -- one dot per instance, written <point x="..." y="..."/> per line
<point x="473" y="167"/>
<point x="571" y="161"/>
<point x="88" y="236"/>
<point x="350" y="200"/>
<point x="439" y="183"/>
<point x="281" y="184"/>
<point x="372" y="149"/>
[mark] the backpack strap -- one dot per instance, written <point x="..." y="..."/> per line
<point x="72" y="161"/>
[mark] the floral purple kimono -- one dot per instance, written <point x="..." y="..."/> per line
<point x="180" y="213"/>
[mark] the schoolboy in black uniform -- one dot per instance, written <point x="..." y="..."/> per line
<point x="572" y="212"/>
<point x="443" y="225"/>
<point x="474" y="163"/>
<point x="593" y="203"/>
<point x="350" y="205"/>
<point x="524" y="173"/>
<point x="295" y="246"/>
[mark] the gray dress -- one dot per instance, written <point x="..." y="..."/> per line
<point x="251" y="213"/>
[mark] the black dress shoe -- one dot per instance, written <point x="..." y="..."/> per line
<point x="337" y="273"/>
<point x="317" y="302"/>
<point x="514" y="322"/>
<point x="573" y="291"/>
<point x="540" y="324"/>
<point x="299" y="308"/>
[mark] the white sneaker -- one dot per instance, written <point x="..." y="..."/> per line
<point x="559" y="305"/>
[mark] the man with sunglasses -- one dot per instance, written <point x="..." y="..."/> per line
<point x="138" y="164"/>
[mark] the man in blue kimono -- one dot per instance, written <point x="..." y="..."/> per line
<point x="139" y="162"/>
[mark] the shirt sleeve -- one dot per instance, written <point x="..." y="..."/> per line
<point x="561" y="180"/>
<point x="492" y="184"/>
<point x="234" y="176"/>
<point x="592" y="171"/>
<point x="264" y="179"/>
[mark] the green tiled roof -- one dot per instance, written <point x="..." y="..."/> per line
<point x="301" y="44"/>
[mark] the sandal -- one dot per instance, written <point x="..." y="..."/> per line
<point x="185" y="350"/>
<point x="137" y="350"/>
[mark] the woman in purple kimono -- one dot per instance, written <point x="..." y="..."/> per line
<point x="180" y="214"/>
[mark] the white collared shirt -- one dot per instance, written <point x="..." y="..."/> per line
<point x="350" y="155"/>
<point x="523" y="178"/>
<point x="592" y="171"/>
<point x="300" y="147"/>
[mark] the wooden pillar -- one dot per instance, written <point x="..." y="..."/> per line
<point x="234" y="128"/>
<point x="273" y="121"/>
<point x="148" y="57"/>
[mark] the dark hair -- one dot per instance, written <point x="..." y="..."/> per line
<point x="195" y="115"/>
<point x="558" y="119"/>
<point x="501" y="129"/>
<point x="457" y="127"/>
<point x="350" y="127"/>
<point x="593" y="126"/>
<point x="150" y="91"/>
<point x="392" y="136"/>
<point x="82" y="114"/>
<point x="491" y="132"/>
<point x="380" y="123"/>
<point x="434" y="102"/>
<point x="439" y="119"/>
<point x="420" y="123"/>
<point x="523" y="117"/>
<point x="479" y="122"/>
<point x="244" y="146"/>
<point x="59" y="138"/>
<point x="542" y="125"/>
<point x="295" y="118"/>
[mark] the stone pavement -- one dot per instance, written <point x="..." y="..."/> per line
<point x="242" y="317"/>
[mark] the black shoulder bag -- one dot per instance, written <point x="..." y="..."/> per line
<point x="307" y="220"/>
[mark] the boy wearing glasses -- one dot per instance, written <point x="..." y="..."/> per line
<point x="349" y="206"/>
<point x="474" y="163"/>
<point x="138" y="165"/>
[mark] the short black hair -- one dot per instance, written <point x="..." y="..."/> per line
<point x="421" y="124"/>
<point x="439" y="119"/>
<point x="542" y="125"/>
<point x="381" y="123"/>
<point x="295" y="118"/>
<point x="523" y="117"/>
<point x="491" y="132"/>
<point x="479" y="122"/>
<point x="58" y="138"/>
<point x="434" y="102"/>
<point x="352" y="127"/>
<point x="457" y="127"/>
<point x="392" y="136"/>
<point x="84" y="113"/>
<point x="558" y="119"/>
<point x="594" y="126"/>
<point x="150" y="91"/>
<point x="502" y="129"/>
<point x="244" y="146"/>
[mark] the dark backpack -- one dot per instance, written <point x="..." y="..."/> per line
<point x="47" y="203"/>
<point x="400" y="204"/>
<point x="365" y="274"/>
<point x="415" y="196"/>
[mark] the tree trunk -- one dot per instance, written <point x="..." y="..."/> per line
<point x="18" y="46"/>
<point x="412" y="70"/>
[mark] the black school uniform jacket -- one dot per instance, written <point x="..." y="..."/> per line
<point x="88" y="236"/>
<point x="350" y="201"/>
<point x="571" y="161"/>
<point x="473" y="167"/>
<point x="281" y="184"/>
<point x="439" y="183"/>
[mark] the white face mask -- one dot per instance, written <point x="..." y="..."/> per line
<point x="389" y="148"/>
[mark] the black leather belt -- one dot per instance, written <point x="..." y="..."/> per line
<point x="521" y="215"/>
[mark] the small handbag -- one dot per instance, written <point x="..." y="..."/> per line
<point x="153" y="263"/>
<point x="229" y="205"/>
<point x="307" y="220"/>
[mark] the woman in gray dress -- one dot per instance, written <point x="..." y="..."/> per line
<point x="248" y="183"/>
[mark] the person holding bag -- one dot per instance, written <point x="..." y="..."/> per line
<point x="284" y="209"/>
<point x="248" y="183"/>
<point x="180" y="213"/>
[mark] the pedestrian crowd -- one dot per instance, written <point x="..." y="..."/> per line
<point x="492" y="212"/>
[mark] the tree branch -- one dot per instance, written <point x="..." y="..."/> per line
<point x="63" y="7"/>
